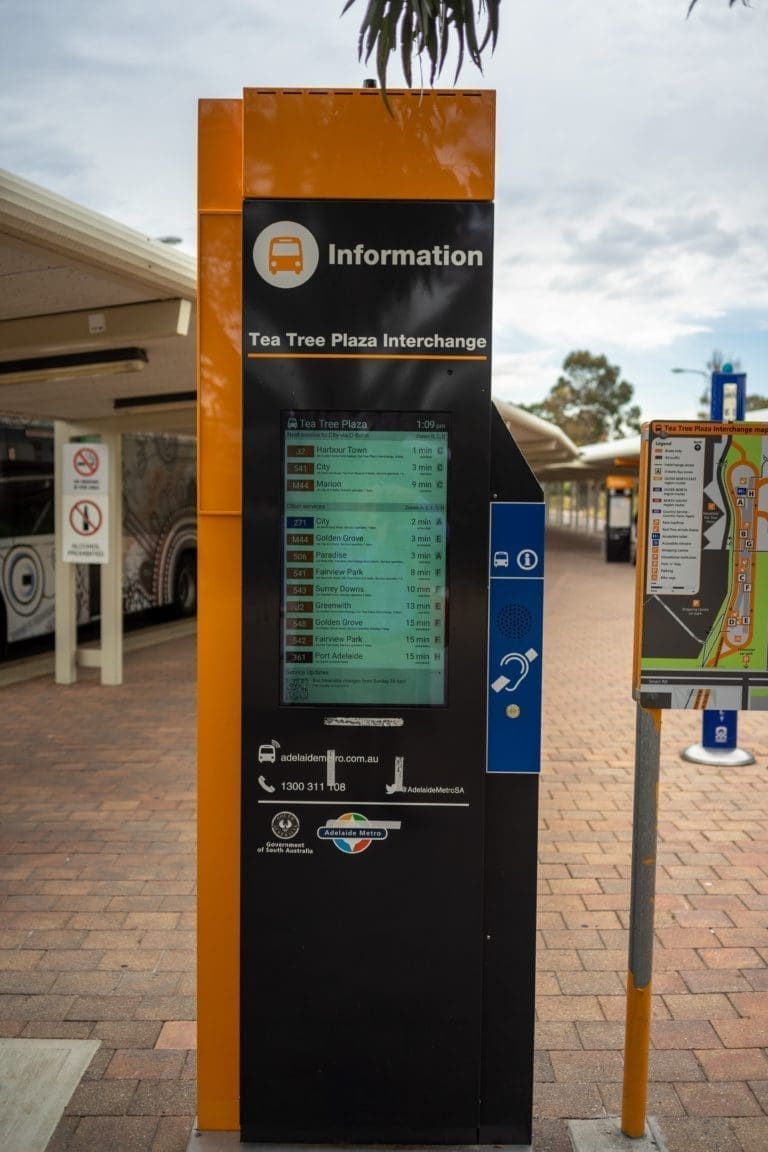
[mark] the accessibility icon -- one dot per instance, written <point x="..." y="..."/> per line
<point x="517" y="665"/>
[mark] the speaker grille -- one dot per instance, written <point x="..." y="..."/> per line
<point x="514" y="621"/>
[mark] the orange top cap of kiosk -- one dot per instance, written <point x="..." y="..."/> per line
<point x="343" y="144"/>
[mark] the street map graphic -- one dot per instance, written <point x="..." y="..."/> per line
<point x="703" y="567"/>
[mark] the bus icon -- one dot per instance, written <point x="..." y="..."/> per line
<point x="286" y="255"/>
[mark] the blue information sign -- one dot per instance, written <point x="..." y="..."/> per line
<point x="515" y="627"/>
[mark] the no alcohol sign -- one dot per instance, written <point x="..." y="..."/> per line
<point x="85" y="505"/>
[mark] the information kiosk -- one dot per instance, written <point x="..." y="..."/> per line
<point x="391" y="666"/>
<point x="618" y="518"/>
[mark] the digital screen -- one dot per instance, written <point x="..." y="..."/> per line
<point x="363" y="604"/>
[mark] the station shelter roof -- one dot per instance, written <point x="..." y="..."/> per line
<point x="97" y="322"/>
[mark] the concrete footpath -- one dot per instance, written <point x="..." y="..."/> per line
<point x="97" y="869"/>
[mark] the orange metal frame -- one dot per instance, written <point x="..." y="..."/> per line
<point x="273" y="144"/>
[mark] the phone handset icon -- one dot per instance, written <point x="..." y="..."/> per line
<point x="264" y="785"/>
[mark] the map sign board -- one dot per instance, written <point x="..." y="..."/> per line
<point x="702" y="580"/>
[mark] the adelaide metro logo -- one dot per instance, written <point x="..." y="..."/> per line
<point x="285" y="254"/>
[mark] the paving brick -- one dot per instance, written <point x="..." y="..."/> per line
<point x="57" y="1030"/>
<point x="706" y="1006"/>
<point x="718" y="1099"/>
<point x="733" y="958"/>
<point x="742" y="1033"/>
<point x="554" y="1034"/>
<point x="127" y="1033"/>
<point x="760" y="1089"/>
<point x="144" y="1064"/>
<point x="572" y="1101"/>
<point x="164" y="1098"/>
<point x="101" y="1098"/>
<point x="551" y="1136"/>
<point x="103" y="1008"/>
<point x="734" y="1063"/>
<point x="165" y="1008"/>
<point x="11" y="1028"/>
<point x="586" y="1067"/>
<point x="569" y="1008"/>
<point x="132" y="959"/>
<point x="69" y="960"/>
<point x="177" y="1033"/>
<point x="123" y="1133"/>
<point x="753" y="1004"/>
<point x="698" y="1135"/>
<point x="173" y="1133"/>
<point x="594" y="983"/>
<point x="716" y="980"/>
<point x="600" y="1034"/>
<point x="86" y="982"/>
<point x="752" y="1133"/>
<point x="25" y="980"/>
<point x="674" y="1064"/>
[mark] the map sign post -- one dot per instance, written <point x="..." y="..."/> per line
<point x="701" y="642"/>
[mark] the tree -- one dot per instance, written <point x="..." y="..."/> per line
<point x="589" y="401"/>
<point x="425" y="29"/>
<point x="731" y="3"/>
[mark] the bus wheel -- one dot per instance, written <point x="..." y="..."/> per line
<point x="185" y="585"/>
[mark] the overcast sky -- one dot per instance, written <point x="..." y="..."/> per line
<point x="632" y="156"/>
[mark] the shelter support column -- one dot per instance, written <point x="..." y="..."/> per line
<point x="66" y="602"/>
<point x="111" y="574"/>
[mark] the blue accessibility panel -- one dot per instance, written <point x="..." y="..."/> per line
<point x="515" y="631"/>
<point x="719" y="729"/>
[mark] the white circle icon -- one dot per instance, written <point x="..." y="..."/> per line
<point x="285" y="254"/>
<point x="527" y="559"/>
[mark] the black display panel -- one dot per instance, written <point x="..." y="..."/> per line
<point x="364" y="594"/>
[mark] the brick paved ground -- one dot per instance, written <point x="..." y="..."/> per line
<point x="97" y="928"/>
<point x="97" y="874"/>
<point x="708" y="1085"/>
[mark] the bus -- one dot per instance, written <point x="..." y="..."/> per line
<point x="159" y="533"/>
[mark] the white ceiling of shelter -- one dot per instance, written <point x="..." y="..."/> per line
<point x="56" y="258"/>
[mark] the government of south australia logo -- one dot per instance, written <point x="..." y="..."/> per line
<point x="285" y="825"/>
<point x="285" y="254"/>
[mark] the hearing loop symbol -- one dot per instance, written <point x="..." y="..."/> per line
<point x="518" y="665"/>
